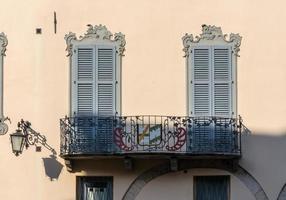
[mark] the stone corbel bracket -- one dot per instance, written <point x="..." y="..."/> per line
<point x="3" y="45"/>
<point x="211" y="34"/>
<point x="97" y="33"/>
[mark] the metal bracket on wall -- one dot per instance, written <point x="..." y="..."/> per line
<point x="33" y="137"/>
<point x="55" y="22"/>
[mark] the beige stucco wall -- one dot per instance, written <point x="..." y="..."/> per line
<point x="181" y="186"/>
<point x="36" y="82"/>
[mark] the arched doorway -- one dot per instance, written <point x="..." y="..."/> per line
<point x="282" y="194"/>
<point x="246" y="178"/>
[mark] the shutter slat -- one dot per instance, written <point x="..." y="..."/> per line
<point x="201" y="100"/>
<point x="85" y="99"/>
<point x="201" y="64"/>
<point x="85" y="64"/>
<point x="222" y="82"/>
<point x="105" y="99"/>
<point x="221" y="99"/>
<point x="221" y="64"/>
<point x="201" y="78"/>
<point x="105" y="64"/>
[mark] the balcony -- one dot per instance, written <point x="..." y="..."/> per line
<point x="150" y="136"/>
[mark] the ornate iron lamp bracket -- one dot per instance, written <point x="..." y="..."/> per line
<point x="33" y="137"/>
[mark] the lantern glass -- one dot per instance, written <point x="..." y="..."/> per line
<point x="18" y="142"/>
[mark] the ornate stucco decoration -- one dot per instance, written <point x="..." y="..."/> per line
<point x="97" y="33"/>
<point x="3" y="43"/>
<point x="3" y="126"/>
<point x="69" y="38"/>
<point x="211" y="34"/>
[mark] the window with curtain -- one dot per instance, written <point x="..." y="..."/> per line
<point x="94" y="188"/>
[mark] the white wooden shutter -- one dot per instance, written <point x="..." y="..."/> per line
<point x="211" y="90"/>
<point x="201" y="98"/>
<point x="222" y="97"/>
<point x="201" y="81"/>
<point x="83" y="97"/>
<point x="222" y="82"/>
<point x="83" y="85"/>
<point x="105" y="62"/>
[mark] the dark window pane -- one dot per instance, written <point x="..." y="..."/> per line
<point x="211" y="188"/>
<point x="94" y="188"/>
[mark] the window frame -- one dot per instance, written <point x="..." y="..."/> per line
<point x="3" y="45"/>
<point x="211" y="36"/>
<point x="195" y="180"/>
<point x="97" y="36"/>
<point x="80" y="180"/>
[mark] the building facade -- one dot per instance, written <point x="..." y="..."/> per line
<point x="143" y="100"/>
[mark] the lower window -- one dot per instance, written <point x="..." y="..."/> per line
<point x="211" y="187"/>
<point x="94" y="188"/>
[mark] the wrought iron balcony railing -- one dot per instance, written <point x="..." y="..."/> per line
<point x="150" y="135"/>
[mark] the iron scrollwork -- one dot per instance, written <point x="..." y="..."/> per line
<point x="33" y="137"/>
<point x="150" y="134"/>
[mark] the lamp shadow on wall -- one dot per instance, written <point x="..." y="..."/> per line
<point x="53" y="167"/>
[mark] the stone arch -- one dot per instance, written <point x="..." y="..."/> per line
<point x="282" y="194"/>
<point x="245" y="177"/>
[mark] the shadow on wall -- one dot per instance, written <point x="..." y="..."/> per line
<point x="261" y="168"/>
<point x="53" y="167"/>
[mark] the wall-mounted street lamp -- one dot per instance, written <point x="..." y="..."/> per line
<point x="18" y="142"/>
<point x="26" y="136"/>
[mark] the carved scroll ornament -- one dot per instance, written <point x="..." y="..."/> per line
<point x="211" y="33"/>
<point x="3" y="43"/>
<point x="97" y="32"/>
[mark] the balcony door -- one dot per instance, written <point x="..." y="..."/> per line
<point x="93" y="96"/>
